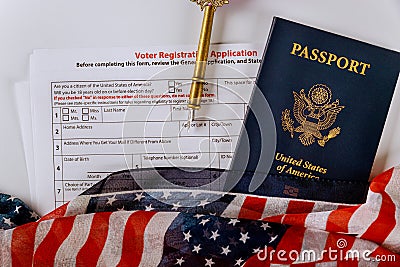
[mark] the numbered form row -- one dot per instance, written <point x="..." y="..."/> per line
<point x="108" y="146"/>
<point x="68" y="169"/>
<point x="149" y="129"/>
<point x="221" y="111"/>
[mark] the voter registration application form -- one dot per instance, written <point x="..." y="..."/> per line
<point x="96" y="111"/>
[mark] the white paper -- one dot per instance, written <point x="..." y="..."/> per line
<point x="96" y="111"/>
<point x="22" y="94"/>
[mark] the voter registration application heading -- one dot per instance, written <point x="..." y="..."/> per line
<point x="96" y="111"/>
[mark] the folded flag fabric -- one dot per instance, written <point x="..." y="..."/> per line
<point x="120" y="225"/>
<point x="14" y="212"/>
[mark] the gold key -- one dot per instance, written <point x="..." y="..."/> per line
<point x="196" y="90"/>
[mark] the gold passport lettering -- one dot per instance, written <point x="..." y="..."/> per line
<point x="328" y="58"/>
<point x="315" y="113"/>
<point x="306" y="166"/>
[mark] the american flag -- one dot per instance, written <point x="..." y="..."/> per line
<point x="160" y="228"/>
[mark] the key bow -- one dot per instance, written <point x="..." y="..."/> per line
<point x="214" y="3"/>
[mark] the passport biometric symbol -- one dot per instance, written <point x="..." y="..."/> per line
<point x="314" y="113"/>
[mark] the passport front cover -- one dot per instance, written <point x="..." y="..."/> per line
<point x="329" y="96"/>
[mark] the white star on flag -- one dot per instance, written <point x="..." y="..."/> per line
<point x="198" y="216"/>
<point x="166" y="194"/>
<point x="209" y="262"/>
<point x="111" y="200"/>
<point x="34" y="215"/>
<point x="273" y="238"/>
<point x="204" y="202"/>
<point x="265" y="226"/>
<point x="187" y="236"/>
<point x="225" y="250"/>
<point x="204" y="221"/>
<point x="180" y="261"/>
<point x="214" y="235"/>
<point x="149" y="208"/>
<point x="233" y="221"/>
<point x="239" y="262"/>
<point x="17" y="209"/>
<point x="244" y="237"/>
<point x="139" y="196"/>
<point x="11" y="198"/>
<point x="7" y="221"/>
<point x="176" y="206"/>
<point x="256" y="250"/>
<point x="196" y="248"/>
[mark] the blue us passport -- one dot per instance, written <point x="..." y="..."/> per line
<point x="328" y="97"/>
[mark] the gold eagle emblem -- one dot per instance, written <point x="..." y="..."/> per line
<point x="314" y="113"/>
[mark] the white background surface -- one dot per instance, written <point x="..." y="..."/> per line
<point x="29" y="24"/>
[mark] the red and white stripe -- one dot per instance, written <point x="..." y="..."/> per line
<point x="325" y="206"/>
<point x="392" y="241"/>
<point x="78" y="205"/>
<point x="22" y="245"/>
<point x="385" y="222"/>
<point x="317" y="220"/>
<point x="310" y="244"/>
<point x="5" y="247"/>
<point x="233" y="209"/>
<point x="95" y="241"/>
<point x="153" y="246"/>
<point x="297" y="212"/>
<point x="275" y="206"/>
<point x="252" y="208"/>
<point x="392" y="189"/>
<point x="41" y="232"/>
<point x="112" y="250"/>
<point x="134" y="238"/>
<point x="365" y="214"/>
<point x="71" y="246"/>
<point x="48" y="244"/>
